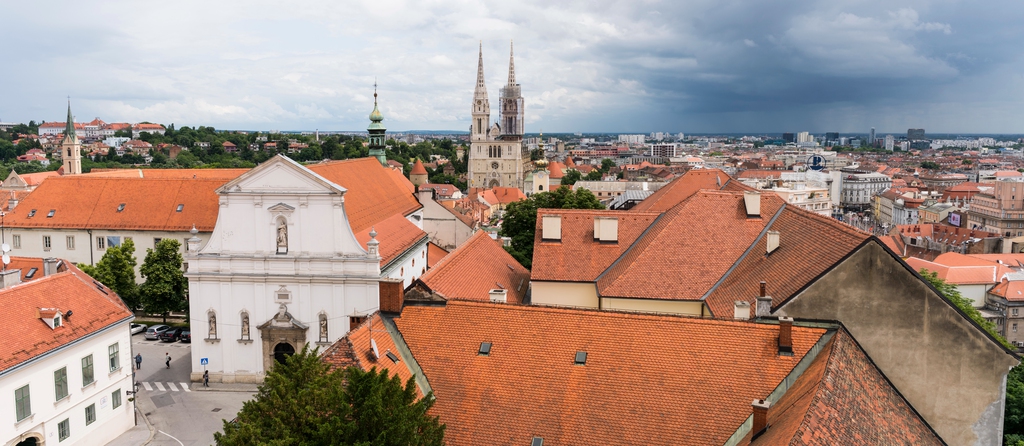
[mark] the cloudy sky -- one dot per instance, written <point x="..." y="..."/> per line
<point x="692" y="66"/>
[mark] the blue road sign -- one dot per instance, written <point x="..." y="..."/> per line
<point x="816" y="162"/>
<point x="204" y="361"/>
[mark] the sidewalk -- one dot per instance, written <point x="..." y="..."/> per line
<point x="142" y="433"/>
<point x="226" y="387"/>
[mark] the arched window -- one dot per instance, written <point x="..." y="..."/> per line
<point x="211" y="318"/>
<point x="323" y="328"/>
<point x="245" y="326"/>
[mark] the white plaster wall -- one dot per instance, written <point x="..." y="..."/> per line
<point x="47" y="413"/>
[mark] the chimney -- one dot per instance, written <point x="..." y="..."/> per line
<point x="752" y="202"/>
<point x="741" y="310"/>
<point x="764" y="302"/>
<point x="760" y="409"/>
<point x="606" y="229"/>
<point x="786" y="336"/>
<point x="392" y="296"/>
<point x="12" y="203"/>
<point x="551" y="228"/>
<point x="499" y="295"/>
<point x="773" y="241"/>
<point x="49" y="266"/>
<point x="10" y="277"/>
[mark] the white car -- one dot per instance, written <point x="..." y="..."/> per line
<point x="138" y="328"/>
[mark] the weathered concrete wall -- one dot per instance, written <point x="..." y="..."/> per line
<point x="948" y="369"/>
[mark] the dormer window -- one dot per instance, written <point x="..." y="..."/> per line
<point x="120" y="207"/>
<point x="51" y="316"/>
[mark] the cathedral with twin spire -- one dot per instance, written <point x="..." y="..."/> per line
<point x="497" y="155"/>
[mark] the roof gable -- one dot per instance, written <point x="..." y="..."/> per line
<point x="475" y="268"/>
<point x="682" y="188"/>
<point x="280" y="175"/>
<point x="577" y="257"/>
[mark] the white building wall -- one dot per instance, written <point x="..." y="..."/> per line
<point x="47" y="413"/>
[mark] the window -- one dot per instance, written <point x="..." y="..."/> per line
<point x="46" y="243"/>
<point x="115" y="399"/>
<point x="180" y="208"/>
<point x="120" y="207"/>
<point x="50" y="214"/>
<point x="90" y="414"/>
<point x="112" y="354"/>
<point x="113" y="240"/>
<point x="87" y="374"/>
<point x="71" y="242"/>
<point x="64" y="429"/>
<point x="156" y="241"/>
<point x="32" y="213"/>
<point x="355" y="321"/>
<point x="60" y="383"/>
<point x="16" y="241"/>
<point x="1014" y="327"/>
<point x="100" y="243"/>
<point x="22" y="403"/>
<point x="1014" y="311"/>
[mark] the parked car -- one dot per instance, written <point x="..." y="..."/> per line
<point x="154" y="331"/>
<point x="171" y="334"/>
<point x="138" y="328"/>
<point x="186" y="336"/>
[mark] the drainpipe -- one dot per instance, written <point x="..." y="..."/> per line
<point x="89" y="231"/>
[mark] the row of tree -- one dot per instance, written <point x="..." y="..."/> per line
<point x="165" y="288"/>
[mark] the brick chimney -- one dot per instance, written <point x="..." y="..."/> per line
<point x="392" y="296"/>
<point x="760" y="409"/>
<point x="786" y="336"/>
<point x="764" y="302"/>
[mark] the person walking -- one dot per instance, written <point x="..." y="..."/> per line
<point x="168" y="359"/>
<point x="138" y="361"/>
<point x="206" y="378"/>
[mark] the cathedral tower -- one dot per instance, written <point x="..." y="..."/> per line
<point x="511" y="102"/>
<point x="71" y="148"/>
<point x="481" y="106"/>
<point x="497" y="156"/>
<point x="377" y="130"/>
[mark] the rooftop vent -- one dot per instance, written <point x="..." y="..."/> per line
<point x="606" y="229"/>
<point x="551" y="228"/>
<point x="485" y="349"/>
<point x="120" y="207"/>
<point x="50" y="214"/>
<point x="500" y="296"/>
<point x="180" y="207"/>
<point x="752" y="202"/>
<point x="773" y="241"/>
<point x="32" y="213"/>
<point x="392" y="357"/>
<point x="581" y="358"/>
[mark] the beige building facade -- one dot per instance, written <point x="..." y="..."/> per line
<point x="497" y="155"/>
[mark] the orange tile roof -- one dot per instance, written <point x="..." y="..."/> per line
<point x="841" y="399"/>
<point x="205" y="174"/>
<point x="396" y="234"/>
<point x="577" y="257"/>
<point x="28" y="264"/>
<point x="35" y="179"/>
<point x="434" y="254"/>
<point x="1014" y="260"/>
<point x="23" y="335"/>
<point x="556" y="169"/>
<point x="84" y="202"/>
<point x="475" y="268"/>
<point x="417" y="168"/>
<point x="691" y="392"/>
<point x="1012" y="290"/>
<point x="649" y="270"/>
<point x="506" y="195"/>
<point x="958" y="275"/>
<point x="355" y="350"/>
<point x="681" y="188"/>
<point x="373" y="195"/>
<point x="400" y="179"/>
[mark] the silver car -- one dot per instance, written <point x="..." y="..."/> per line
<point x="138" y="328"/>
<point x="153" y="333"/>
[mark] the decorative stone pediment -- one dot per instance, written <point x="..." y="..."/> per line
<point x="280" y="175"/>
<point x="283" y="319"/>
<point x="281" y="208"/>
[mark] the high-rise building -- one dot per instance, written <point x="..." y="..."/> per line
<point x="71" y="148"/>
<point x="497" y="155"/>
<point x="889" y="142"/>
<point x="915" y="134"/>
<point x="831" y="137"/>
<point x="804" y="137"/>
<point x="871" y="138"/>
<point x="789" y="137"/>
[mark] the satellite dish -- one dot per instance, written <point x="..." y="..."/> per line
<point x="373" y="345"/>
<point x="7" y="259"/>
<point x="5" y="247"/>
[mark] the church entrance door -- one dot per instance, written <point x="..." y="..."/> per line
<point x="282" y="351"/>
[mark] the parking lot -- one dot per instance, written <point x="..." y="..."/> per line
<point x="179" y="412"/>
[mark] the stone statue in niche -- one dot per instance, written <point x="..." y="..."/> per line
<point x="282" y="237"/>
<point x="245" y="325"/>
<point x="323" y="327"/>
<point x="213" y="326"/>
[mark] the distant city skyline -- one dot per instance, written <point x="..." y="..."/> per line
<point x="623" y="67"/>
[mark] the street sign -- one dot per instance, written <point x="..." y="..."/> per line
<point x="204" y="361"/>
<point x="816" y="162"/>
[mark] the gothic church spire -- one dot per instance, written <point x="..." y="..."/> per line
<point x="481" y="88"/>
<point x="511" y="65"/>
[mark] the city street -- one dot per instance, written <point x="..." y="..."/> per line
<point x="180" y="412"/>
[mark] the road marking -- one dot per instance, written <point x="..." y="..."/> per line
<point x="185" y="387"/>
<point x="173" y="387"/>
<point x="175" y="439"/>
<point x="160" y="386"/>
<point x="147" y="386"/>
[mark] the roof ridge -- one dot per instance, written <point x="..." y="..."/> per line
<point x="830" y="221"/>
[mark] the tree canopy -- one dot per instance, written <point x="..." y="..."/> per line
<point x="520" y="220"/>
<point x="304" y="402"/>
<point x="116" y="270"/>
<point x="165" y="287"/>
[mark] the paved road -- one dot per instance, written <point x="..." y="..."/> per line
<point x="179" y="413"/>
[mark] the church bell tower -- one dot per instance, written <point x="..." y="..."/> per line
<point x="71" y="148"/>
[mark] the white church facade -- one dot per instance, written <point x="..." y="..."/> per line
<point x="282" y="268"/>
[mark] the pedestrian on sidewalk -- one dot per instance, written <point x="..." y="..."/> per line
<point x="138" y="361"/>
<point x="206" y="378"/>
<point x="168" y="359"/>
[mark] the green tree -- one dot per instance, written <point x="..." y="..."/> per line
<point x="929" y="165"/>
<point x="594" y="175"/>
<point x="304" y="402"/>
<point x="1013" y="424"/>
<point x="571" y="177"/>
<point x="116" y="270"/>
<point x="165" y="287"/>
<point x="951" y="294"/>
<point x="520" y="218"/>
<point x="606" y="165"/>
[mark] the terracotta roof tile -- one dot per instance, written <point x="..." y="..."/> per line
<point x="23" y="335"/>
<point x="355" y="350"/>
<point x="842" y="398"/>
<point x="373" y="194"/>
<point x="417" y="168"/>
<point x="82" y="201"/>
<point x="477" y="267"/>
<point x="642" y="382"/>
<point x="205" y="174"/>
<point x="578" y="258"/>
<point x="506" y="195"/>
<point x="395" y="234"/>
<point x="681" y="188"/>
<point x="960" y="269"/>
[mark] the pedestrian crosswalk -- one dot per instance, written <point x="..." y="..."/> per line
<point x="163" y="387"/>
